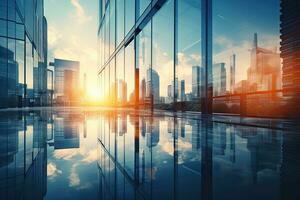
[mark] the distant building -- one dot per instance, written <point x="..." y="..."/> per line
<point x="175" y="88"/>
<point x="264" y="72"/>
<point x="154" y="87"/>
<point x="196" y="81"/>
<point x="66" y="80"/>
<point x="181" y="95"/>
<point x="219" y="79"/>
<point x="232" y="72"/>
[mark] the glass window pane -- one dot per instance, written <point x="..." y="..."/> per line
<point x="142" y="5"/>
<point x="3" y="9"/>
<point x="112" y="81"/>
<point x="188" y="71"/>
<point x="20" y="31"/>
<point x="129" y="15"/>
<point x="163" y="86"/>
<point x="20" y="58"/>
<point x="120" y="21"/>
<point x="112" y="26"/>
<point x="121" y="84"/>
<point x="11" y="29"/>
<point x="3" y="28"/>
<point x="12" y="76"/>
<point x="3" y="71"/>
<point x="130" y="73"/>
<point x="143" y="63"/>
<point x="29" y="69"/>
<point x="246" y="55"/>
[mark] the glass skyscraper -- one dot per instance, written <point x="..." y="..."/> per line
<point x="181" y="41"/>
<point x="23" y="46"/>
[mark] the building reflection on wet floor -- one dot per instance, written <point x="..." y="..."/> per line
<point x="122" y="154"/>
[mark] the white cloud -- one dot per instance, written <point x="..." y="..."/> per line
<point x="80" y="13"/>
<point x="52" y="170"/>
<point x="74" y="178"/>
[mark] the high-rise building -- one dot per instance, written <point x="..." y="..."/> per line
<point x="219" y="79"/>
<point x="153" y="85"/>
<point x="196" y="81"/>
<point x="181" y="95"/>
<point x="264" y="72"/>
<point x="66" y="80"/>
<point x="23" y="58"/>
<point x="290" y="46"/>
<point x="232" y="72"/>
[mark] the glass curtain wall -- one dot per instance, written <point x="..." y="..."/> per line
<point x="12" y="55"/>
<point x="246" y="56"/>
<point x="171" y="58"/>
<point x="14" y="44"/>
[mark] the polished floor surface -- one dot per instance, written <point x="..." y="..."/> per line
<point x="76" y="153"/>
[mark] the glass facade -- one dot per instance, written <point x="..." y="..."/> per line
<point x="196" y="55"/>
<point x="23" y="46"/>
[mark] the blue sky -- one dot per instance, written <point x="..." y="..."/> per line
<point x="72" y="34"/>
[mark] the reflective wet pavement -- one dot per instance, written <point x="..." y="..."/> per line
<point x="109" y="154"/>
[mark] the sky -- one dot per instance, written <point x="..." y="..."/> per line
<point x="72" y="34"/>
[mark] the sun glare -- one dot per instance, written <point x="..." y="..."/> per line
<point x="93" y="95"/>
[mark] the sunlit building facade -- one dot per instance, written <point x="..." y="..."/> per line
<point x="290" y="47"/>
<point x="66" y="80"/>
<point x="23" y="59"/>
<point x="163" y="36"/>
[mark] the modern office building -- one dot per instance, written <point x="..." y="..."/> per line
<point x="219" y="79"/>
<point x="66" y="80"/>
<point x="181" y="90"/>
<point x="180" y="41"/>
<point x="290" y="47"/>
<point x="196" y="81"/>
<point x="23" y="59"/>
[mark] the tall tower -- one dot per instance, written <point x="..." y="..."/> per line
<point x="255" y="41"/>
<point x="232" y="72"/>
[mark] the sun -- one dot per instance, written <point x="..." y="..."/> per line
<point x="93" y="95"/>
